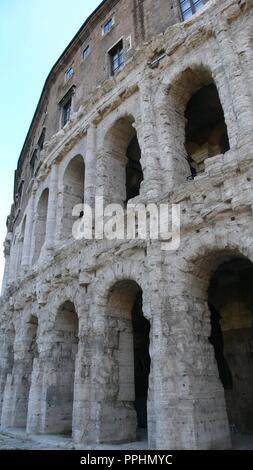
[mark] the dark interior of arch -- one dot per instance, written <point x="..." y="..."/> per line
<point x="134" y="174"/>
<point x="231" y="309"/>
<point x="23" y="368"/>
<point x="63" y="354"/>
<point x="10" y="339"/>
<point x="74" y="178"/>
<point x="206" y="130"/>
<point x="40" y="228"/>
<point x="33" y="329"/>
<point x="141" y="330"/>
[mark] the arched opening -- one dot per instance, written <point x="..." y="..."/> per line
<point x="124" y="161"/>
<point x="73" y="193"/>
<point x="13" y="259"/>
<point x="134" y="174"/>
<point x="20" y="245"/>
<point x="60" y="389"/>
<point x="141" y="331"/>
<point x="9" y="341"/>
<point x="7" y="361"/>
<point x="23" y="371"/>
<point x="41" y="222"/>
<point x="131" y="362"/>
<point x="205" y="130"/>
<point x="193" y="126"/>
<point x="18" y="383"/>
<point x="231" y="305"/>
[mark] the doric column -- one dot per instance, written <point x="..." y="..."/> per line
<point x="192" y="392"/>
<point x="102" y="189"/>
<point x="147" y="135"/>
<point x="90" y="167"/>
<point x="163" y="432"/>
<point x="52" y="207"/>
<point x="28" y="233"/>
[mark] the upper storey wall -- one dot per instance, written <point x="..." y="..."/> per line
<point x="134" y="20"/>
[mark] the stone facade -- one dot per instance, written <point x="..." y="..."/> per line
<point x="98" y="337"/>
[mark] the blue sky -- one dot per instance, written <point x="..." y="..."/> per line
<point x="33" y="34"/>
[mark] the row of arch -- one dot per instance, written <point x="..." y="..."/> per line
<point x="73" y="194"/>
<point x="128" y="352"/>
<point x="204" y="135"/>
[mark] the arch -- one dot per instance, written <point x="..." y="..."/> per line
<point x="127" y="357"/>
<point x="205" y="130"/>
<point x="9" y="342"/>
<point x="218" y="296"/>
<point x="203" y="258"/>
<point x="13" y="258"/>
<point x="209" y="257"/>
<point x="16" y="396"/>
<point x="197" y="128"/>
<point x="24" y="369"/>
<point x="123" y="160"/>
<point x="73" y="193"/>
<point x="230" y="301"/>
<point x="7" y="361"/>
<point x="61" y="371"/>
<point x="198" y="108"/>
<point x="70" y="292"/>
<point x="117" y="272"/>
<point x="21" y="244"/>
<point x="40" y="224"/>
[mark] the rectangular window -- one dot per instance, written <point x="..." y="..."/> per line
<point x="66" y="112"/>
<point x="190" y="7"/>
<point x="69" y="73"/>
<point x="117" y="57"/>
<point x="108" y="26"/>
<point x="86" y="52"/>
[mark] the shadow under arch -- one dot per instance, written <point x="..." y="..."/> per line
<point x="61" y="371"/>
<point x="197" y="127"/>
<point x="127" y="357"/>
<point x="16" y="397"/>
<point x="222" y="300"/>
<point x="40" y="224"/>
<point x="8" y="362"/>
<point x="230" y="300"/>
<point x="123" y="160"/>
<point x="73" y="193"/>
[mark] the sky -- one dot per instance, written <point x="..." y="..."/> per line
<point x="33" y="34"/>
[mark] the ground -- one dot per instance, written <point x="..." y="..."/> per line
<point x="18" y="441"/>
<point x="13" y="443"/>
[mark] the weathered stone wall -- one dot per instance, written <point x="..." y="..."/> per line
<point x="186" y="400"/>
<point x="135" y="22"/>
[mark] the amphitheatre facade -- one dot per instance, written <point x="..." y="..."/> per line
<point x="110" y="340"/>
